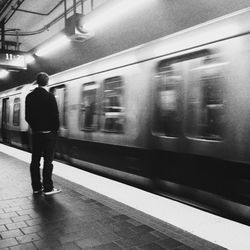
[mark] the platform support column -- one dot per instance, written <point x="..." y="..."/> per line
<point x="2" y="24"/>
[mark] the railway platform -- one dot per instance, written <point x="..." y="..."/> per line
<point x="83" y="217"/>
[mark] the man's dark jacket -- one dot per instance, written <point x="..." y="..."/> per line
<point x="41" y="111"/>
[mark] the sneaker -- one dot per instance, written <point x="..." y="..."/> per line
<point x="53" y="191"/>
<point x="38" y="191"/>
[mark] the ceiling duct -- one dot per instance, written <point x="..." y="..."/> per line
<point x="74" y="28"/>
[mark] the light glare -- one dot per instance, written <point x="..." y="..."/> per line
<point x="3" y="73"/>
<point x="111" y="13"/>
<point x="29" y="59"/>
<point x="53" y="46"/>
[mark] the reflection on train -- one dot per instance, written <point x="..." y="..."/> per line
<point x="171" y="116"/>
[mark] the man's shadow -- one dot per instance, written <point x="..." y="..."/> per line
<point x="53" y="216"/>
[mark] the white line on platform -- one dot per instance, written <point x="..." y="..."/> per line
<point x="224" y="232"/>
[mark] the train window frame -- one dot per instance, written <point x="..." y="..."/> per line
<point x="16" y="112"/>
<point x="62" y="113"/>
<point x="113" y="116"/>
<point x="88" y="112"/>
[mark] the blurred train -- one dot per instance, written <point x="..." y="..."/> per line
<point x="171" y="116"/>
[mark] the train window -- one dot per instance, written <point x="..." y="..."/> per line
<point x="16" y="112"/>
<point x="88" y="115"/>
<point x="167" y="120"/>
<point x="205" y="100"/>
<point x="60" y="93"/>
<point x="113" y="105"/>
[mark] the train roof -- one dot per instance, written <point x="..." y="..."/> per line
<point x="14" y="91"/>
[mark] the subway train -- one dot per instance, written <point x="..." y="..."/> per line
<point x="171" y="116"/>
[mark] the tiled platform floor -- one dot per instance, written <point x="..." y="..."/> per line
<point x="77" y="218"/>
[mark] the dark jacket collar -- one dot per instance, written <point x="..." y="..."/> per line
<point x="40" y="89"/>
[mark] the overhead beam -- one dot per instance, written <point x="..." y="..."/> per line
<point x="39" y="13"/>
<point x="2" y="25"/>
<point x="8" y="12"/>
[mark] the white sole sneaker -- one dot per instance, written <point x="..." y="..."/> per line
<point x="53" y="191"/>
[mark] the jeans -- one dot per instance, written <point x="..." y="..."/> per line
<point x="43" y="144"/>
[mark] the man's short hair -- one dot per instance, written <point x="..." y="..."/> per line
<point x="42" y="79"/>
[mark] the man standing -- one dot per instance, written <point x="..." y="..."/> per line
<point x="41" y="113"/>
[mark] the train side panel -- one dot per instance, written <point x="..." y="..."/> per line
<point x="214" y="130"/>
<point x="118" y="137"/>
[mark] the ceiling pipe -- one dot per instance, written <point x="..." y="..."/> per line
<point x="17" y="40"/>
<point x="5" y="8"/>
<point x="39" y="13"/>
<point x="65" y="11"/>
<point x="19" y="3"/>
<point x="92" y="5"/>
<point x="2" y="35"/>
<point x="82" y="7"/>
<point x="74" y="5"/>
<point x="44" y="28"/>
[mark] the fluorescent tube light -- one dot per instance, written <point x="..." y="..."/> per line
<point x="53" y="46"/>
<point x="29" y="59"/>
<point x="111" y="13"/>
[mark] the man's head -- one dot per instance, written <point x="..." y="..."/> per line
<point x="42" y="79"/>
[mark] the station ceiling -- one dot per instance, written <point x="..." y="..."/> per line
<point x="115" y="30"/>
<point x="28" y="23"/>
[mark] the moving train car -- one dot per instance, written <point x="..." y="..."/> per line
<point x="171" y="116"/>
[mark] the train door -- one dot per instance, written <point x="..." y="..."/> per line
<point x="189" y="102"/>
<point x="5" y="120"/>
<point x="168" y="108"/>
<point x="60" y="93"/>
